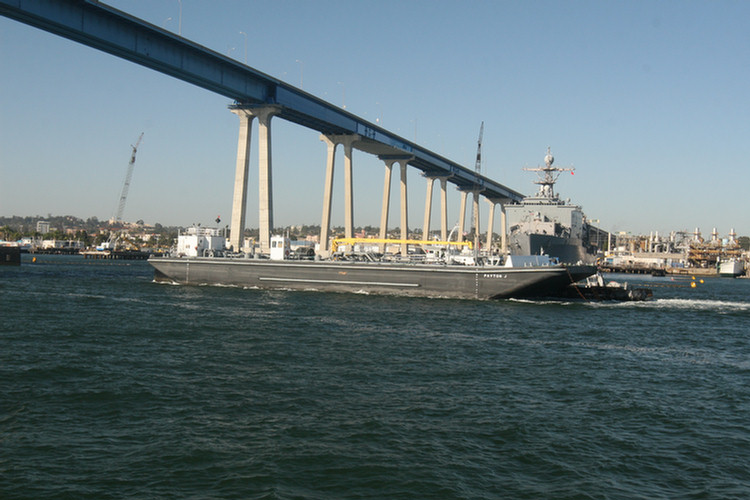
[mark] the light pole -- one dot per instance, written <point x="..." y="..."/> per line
<point x="343" y="95"/>
<point x="243" y="33"/>
<point x="301" y="66"/>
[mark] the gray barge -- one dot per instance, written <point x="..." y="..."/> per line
<point x="393" y="278"/>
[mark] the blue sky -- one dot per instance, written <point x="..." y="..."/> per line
<point x="647" y="100"/>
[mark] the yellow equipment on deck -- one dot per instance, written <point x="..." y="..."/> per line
<point x="380" y="241"/>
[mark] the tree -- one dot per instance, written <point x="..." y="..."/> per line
<point x="744" y="242"/>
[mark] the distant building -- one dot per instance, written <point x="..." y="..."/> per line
<point x="61" y="244"/>
<point x="42" y="227"/>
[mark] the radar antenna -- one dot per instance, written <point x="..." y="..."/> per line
<point x="548" y="175"/>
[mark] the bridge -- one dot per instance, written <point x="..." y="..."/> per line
<point x="257" y="95"/>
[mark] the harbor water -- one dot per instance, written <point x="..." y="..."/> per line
<point x="114" y="386"/>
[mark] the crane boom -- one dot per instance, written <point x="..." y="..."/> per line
<point x="478" y="164"/>
<point x="478" y="170"/>
<point x="126" y="184"/>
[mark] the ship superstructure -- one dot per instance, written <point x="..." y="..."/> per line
<point x="546" y="224"/>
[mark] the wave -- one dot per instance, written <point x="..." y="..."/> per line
<point x="722" y="306"/>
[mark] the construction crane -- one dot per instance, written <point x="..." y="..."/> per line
<point x="126" y="185"/>
<point x="478" y="164"/>
<point x="478" y="170"/>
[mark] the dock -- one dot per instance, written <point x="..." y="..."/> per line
<point x="115" y="254"/>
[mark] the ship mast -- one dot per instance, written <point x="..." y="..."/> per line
<point x="548" y="176"/>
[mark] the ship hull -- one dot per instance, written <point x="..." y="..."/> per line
<point x="422" y="280"/>
<point x="731" y="269"/>
<point x="10" y="255"/>
<point x="562" y="249"/>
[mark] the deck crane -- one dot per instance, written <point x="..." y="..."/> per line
<point x="126" y="185"/>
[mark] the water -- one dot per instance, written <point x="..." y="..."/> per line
<point x="112" y="386"/>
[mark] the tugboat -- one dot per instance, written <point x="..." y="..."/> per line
<point x="595" y="288"/>
<point x="10" y="254"/>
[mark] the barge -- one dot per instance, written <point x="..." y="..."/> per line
<point x="531" y="276"/>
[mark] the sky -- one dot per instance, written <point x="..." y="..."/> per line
<point x="648" y="100"/>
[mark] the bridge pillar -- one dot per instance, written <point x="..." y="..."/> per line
<point x="427" y="209"/>
<point x="475" y="218"/>
<point x="490" y="224"/>
<point x="389" y="161"/>
<point x="503" y="230"/>
<point x="265" y="180"/>
<point x="444" y="208"/>
<point x="332" y="141"/>
<point x="325" y="224"/>
<point x="239" y="201"/>
<point x="347" y="141"/>
<point x="462" y="216"/>
<point x="265" y="185"/>
<point x="404" y="210"/>
<point x="386" y="202"/>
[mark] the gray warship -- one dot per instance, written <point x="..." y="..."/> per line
<point x="544" y="224"/>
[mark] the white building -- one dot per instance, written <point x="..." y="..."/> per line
<point x="200" y="242"/>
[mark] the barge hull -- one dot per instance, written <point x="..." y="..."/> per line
<point x="469" y="282"/>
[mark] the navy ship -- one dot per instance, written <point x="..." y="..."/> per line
<point x="544" y="224"/>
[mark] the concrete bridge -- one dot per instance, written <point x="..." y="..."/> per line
<point x="257" y="95"/>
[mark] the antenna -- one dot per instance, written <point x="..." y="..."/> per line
<point x="548" y="175"/>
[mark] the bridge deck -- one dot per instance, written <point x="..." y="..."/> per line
<point x="118" y="33"/>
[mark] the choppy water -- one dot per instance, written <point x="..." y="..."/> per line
<point x="112" y="386"/>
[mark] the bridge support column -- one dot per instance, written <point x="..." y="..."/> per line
<point x="265" y="178"/>
<point x="265" y="186"/>
<point x="475" y="218"/>
<point x="403" y="162"/>
<point x="386" y="202"/>
<point x="332" y="141"/>
<point x="427" y="209"/>
<point x="503" y="230"/>
<point x="404" y="210"/>
<point x="325" y="224"/>
<point x="239" y="201"/>
<point x="490" y="224"/>
<point x="462" y="216"/>
<point x="347" y="141"/>
<point x="443" y="208"/>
